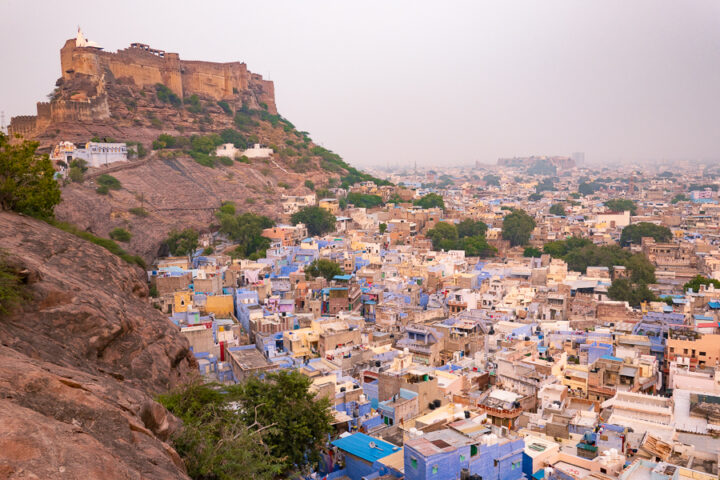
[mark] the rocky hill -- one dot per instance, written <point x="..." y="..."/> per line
<point x="138" y="94"/>
<point x="79" y="362"/>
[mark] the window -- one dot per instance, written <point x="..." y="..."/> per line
<point x="672" y="349"/>
<point x="435" y="469"/>
<point x="413" y="462"/>
<point x="473" y="450"/>
<point x="702" y="354"/>
<point x="685" y="351"/>
<point x="512" y="466"/>
<point x="462" y="458"/>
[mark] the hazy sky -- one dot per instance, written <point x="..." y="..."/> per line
<point x="441" y="82"/>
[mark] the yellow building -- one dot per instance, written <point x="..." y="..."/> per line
<point x="220" y="305"/>
<point x="330" y="204"/>
<point x="181" y="301"/>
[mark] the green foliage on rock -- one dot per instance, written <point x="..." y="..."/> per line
<point x="165" y="95"/>
<point x="310" y="185"/>
<point x="11" y="288"/>
<point x="431" y="200"/>
<point x="317" y="220"/>
<point x="532" y="252"/>
<point x="109" y="182"/>
<point x="182" y="243"/>
<point x="446" y="236"/>
<point x="120" y="235"/>
<point x="634" y="233"/>
<point x="105" y="243"/>
<point x="322" y="268"/>
<point x="517" y="227"/>
<point x="27" y="181"/>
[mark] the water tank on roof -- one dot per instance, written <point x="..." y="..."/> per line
<point x="437" y="403"/>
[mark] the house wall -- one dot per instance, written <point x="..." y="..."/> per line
<point x="220" y="305"/>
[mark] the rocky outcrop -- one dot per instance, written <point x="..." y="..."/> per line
<point x="80" y="361"/>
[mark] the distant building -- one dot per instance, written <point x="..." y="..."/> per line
<point x="96" y="154"/>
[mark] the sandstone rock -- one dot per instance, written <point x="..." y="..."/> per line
<point x="79" y="364"/>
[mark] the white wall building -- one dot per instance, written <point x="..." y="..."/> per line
<point x="95" y="154"/>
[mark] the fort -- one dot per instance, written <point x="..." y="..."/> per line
<point x="85" y="63"/>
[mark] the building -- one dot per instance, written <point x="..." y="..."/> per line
<point x="96" y="154"/>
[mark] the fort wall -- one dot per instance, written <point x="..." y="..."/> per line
<point x="145" y="67"/>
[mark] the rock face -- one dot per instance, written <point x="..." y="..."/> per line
<point x="80" y="362"/>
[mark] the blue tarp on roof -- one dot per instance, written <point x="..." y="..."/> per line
<point x="715" y="305"/>
<point x="359" y="445"/>
<point x="610" y="357"/>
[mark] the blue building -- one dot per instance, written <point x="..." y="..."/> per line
<point x="480" y="449"/>
<point x="362" y="453"/>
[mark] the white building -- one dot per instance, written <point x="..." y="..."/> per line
<point x="94" y="153"/>
<point x="258" y="151"/>
<point x="227" y="150"/>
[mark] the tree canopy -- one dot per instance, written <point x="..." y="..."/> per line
<point x="317" y="220"/>
<point x="261" y="428"/>
<point x="634" y="233"/>
<point x="431" y="200"/>
<point x="245" y="230"/>
<point x="364" y="200"/>
<point x="621" y="205"/>
<point x="698" y="280"/>
<point x="322" y="268"/>
<point x="558" y="209"/>
<point x="468" y="235"/>
<point x="182" y="243"/>
<point x="27" y="182"/>
<point x="517" y="227"/>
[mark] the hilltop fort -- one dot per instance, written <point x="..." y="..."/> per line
<point x="88" y="71"/>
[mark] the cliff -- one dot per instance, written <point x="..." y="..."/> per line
<point x="80" y="362"/>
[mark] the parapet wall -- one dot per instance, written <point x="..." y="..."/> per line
<point x="24" y="125"/>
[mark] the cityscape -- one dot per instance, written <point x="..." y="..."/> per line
<point x="193" y="287"/>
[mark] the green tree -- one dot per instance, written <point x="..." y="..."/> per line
<point x="443" y="236"/>
<point x="698" y="280"/>
<point x="558" y="209"/>
<point x="634" y="233"/>
<point x="624" y="290"/>
<point x="245" y="230"/>
<point x="363" y="200"/>
<point x="322" y="268"/>
<point x="534" y="197"/>
<point x="517" y="227"/>
<point x="120" y="234"/>
<point x="680" y="197"/>
<point x="182" y="243"/>
<point x="532" y="252"/>
<point x="588" y="188"/>
<point x="283" y="399"/>
<point x="27" y="181"/>
<point x="382" y="228"/>
<point x="471" y="228"/>
<point x="477" y="246"/>
<point x="491" y="180"/>
<point x="310" y="185"/>
<point x="621" y="205"/>
<point x="317" y="220"/>
<point x="431" y="200"/>
<point x="214" y="441"/>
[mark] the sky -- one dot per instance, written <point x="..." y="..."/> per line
<point x="429" y="82"/>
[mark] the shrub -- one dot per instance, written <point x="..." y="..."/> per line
<point x="102" y="190"/>
<point x="165" y="95"/>
<point x="283" y="185"/>
<point x="317" y="220"/>
<point x="182" y="243"/>
<point x="109" y="181"/>
<point x="105" y="243"/>
<point x="227" y="161"/>
<point x="120" y="234"/>
<point x="242" y="159"/>
<point x="139" y="212"/>
<point x="310" y="185"/>
<point x="225" y="107"/>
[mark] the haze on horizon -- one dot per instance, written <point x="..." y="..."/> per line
<point x="393" y="83"/>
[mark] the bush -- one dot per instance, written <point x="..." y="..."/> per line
<point x="120" y="234"/>
<point x="225" y="107"/>
<point x="322" y="268"/>
<point x="245" y="230"/>
<point x="105" y="243"/>
<point x="363" y="200"/>
<point x="109" y="181"/>
<point x="309" y="185"/>
<point x="102" y="190"/>
<point x="139" y="212"/>
<point x="11" y="288"/>
<point x="284" y="185"/>
<point x="621" y="205"/>
<point x="634" y="233"/>
<point x="242" y="159"/>
<point x="227" y="161"/>
<point x="165" y="95"/>
<point x="558" y="209"/>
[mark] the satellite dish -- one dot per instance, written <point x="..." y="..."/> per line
<point x="371" y="445"/>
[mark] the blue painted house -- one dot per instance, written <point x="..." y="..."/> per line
<point x="361" y="454"/>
